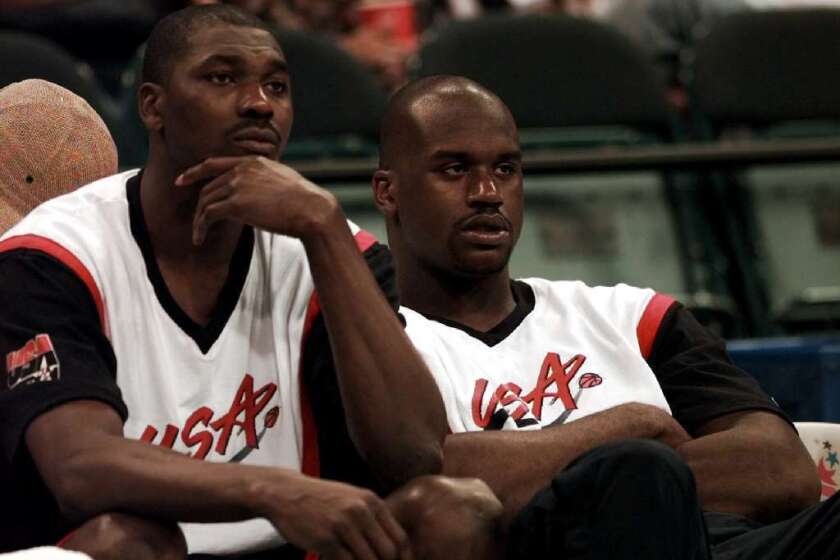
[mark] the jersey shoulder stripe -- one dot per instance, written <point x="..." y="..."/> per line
<point x="651" y="321"/>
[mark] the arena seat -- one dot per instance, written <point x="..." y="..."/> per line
<point x="25" y="55"/>
<point x="557" y="71"/>
<point x="785" y="220"/>
<point x="822" y="439"/>
<point x="338" y="102"/>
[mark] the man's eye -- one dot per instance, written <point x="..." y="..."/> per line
<point x="220" y="78"/>
<point x="506" y="168"/>
<point x="454" y="169"/>
<point x="277" y="87"/>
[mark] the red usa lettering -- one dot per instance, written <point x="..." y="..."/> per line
<point x="200" y="432"/>
<point x="39" y="345"/>
<point x="552" y="382"/>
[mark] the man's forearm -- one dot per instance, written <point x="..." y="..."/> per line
<point x="394" y="410"/>
<point x="161" y="483"/>
<point x="752" y="464"/>
<point x="517" y="464"/>
<point x="90" y="468"/>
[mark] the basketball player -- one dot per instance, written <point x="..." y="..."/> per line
<point x="157" y="328"/>
<point x="589" y="411"/>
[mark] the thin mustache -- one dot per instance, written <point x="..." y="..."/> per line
<point x="251" y="124"/>
<point x="467" y="219"/>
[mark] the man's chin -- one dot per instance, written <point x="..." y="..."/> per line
<point x="260" y="149"/>
<point x="482" y="267"/>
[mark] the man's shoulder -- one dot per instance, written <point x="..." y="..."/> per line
<point x="620" y="305"/>
<point x="577" y="290"/>
<point x="88" y="230"/>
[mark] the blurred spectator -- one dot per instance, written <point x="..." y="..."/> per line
<point x="437" y="12"/>
<point x="51" y="142"/>
<point x="461" y="9"/>
<point x="764" y="4"/>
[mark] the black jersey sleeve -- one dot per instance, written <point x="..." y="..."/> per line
<point x="698" y="378"/>
<point x="51" y="342"/>
<point x="338" y="455"/>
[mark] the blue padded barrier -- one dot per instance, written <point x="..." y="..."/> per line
<point x="802" y="373"/>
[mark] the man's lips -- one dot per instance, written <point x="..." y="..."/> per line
<point x="259" y="140"/>
<point x="486" y="229"/>
<point x="257" y="134"/>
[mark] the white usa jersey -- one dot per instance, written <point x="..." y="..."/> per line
<point x="238" y="400"/>
<point x="579" y="351"/>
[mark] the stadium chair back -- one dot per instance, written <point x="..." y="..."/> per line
<point x="553" y="71"/>
<point x="774" y="75"/>
<point x="335" y="98"/>
<point x="763" y="67"/>
<point x="24" y="56"/>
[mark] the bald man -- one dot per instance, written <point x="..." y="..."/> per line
<point x="589" y="411"/>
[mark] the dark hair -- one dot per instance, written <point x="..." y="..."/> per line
<point x="170" y="37"/>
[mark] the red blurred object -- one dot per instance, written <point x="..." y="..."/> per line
<point x="394" y="17"/>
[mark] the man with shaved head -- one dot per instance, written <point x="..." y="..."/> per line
<point x="589" y="411"/>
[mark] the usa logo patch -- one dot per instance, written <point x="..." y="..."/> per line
<point x="35" y="362"/>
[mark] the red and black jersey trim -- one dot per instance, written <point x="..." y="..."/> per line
<point x="651" y="321"/>
<point x="310" y="461"/>
<point x="65" y="257"/>
<point x="203" y="335"/>
<point x="524" y="299"/>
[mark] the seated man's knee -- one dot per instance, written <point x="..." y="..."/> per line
<point x="128" y="537"/>
<point x="449" y="518"/>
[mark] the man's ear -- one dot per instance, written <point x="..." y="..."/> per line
<point x="384" y="195"/>
<point x="149" y="103"/>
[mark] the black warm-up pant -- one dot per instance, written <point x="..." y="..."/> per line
<point x="635" y="499"/>
<point x="813" y="534"/>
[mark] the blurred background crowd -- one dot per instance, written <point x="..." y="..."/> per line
<point x="381" y="34"/>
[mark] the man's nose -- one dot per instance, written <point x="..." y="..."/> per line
<point x="484" y="190"/>
<point x="253" y="101"/>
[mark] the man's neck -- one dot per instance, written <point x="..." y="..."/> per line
<point x="168" y="212"/>
<point x="479" y="303"/>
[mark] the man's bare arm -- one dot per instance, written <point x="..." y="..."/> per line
<point x="517" y="464"/>
<point x="91" y="469"/>
<point x="394" y="411"/>
<point x="752" y="464"/>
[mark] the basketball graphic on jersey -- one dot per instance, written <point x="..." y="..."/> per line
<point x="588" y="380"/>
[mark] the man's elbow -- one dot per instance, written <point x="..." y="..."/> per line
<point x="403" y="467"/>
<point x="76" y="489"/>
<point x="797" y="487"/>
<point x="805" y="488"/>
<point x="429" y="461"/>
